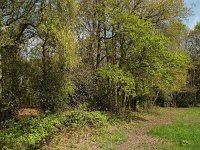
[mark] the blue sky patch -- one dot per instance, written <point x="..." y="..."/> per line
<point x="192" y="20"/>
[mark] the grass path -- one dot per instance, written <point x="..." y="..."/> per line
<point x="140" y="139"/>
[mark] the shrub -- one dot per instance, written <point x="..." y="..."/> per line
<point x="80" y="119"/>
<point x="30" y="133"/>
<point x="124" y="118"/>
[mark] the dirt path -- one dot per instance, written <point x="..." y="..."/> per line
<point x="140" y="139"/>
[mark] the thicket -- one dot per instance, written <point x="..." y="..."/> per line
<point x="113" y="55"/>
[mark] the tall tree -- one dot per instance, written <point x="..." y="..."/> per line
<point x="43" y="46"/>
<point x="194" y="72"/>
<point x="17" y="17"/>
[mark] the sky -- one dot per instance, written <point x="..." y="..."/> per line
<point x="195" y="5"/>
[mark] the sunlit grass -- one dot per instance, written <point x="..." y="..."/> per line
<point x="184" y="133"/>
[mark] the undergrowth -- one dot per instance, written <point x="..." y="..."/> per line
<point x="30" y="133"/>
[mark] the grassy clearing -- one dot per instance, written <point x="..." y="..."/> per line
<point x="184" y="133"/>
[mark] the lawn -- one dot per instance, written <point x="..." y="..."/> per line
<point x="183" y="133"/>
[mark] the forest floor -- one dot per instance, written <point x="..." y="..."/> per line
<point x="160" y="128"/>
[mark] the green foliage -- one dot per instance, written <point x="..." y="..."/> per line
<point x="37" y="35"/>
<point x="194" y="52"/>
<point x="59" y="54"/>
<point x="29" y="133"/>
<point x="154" y="64"/>
<point x="80" y="119"/>
<point x="119" y="77"/>
<point x="137" y="54"/>
<point x="147" y="66"/>
<point x="177" y="32"/>
<point x="124" y="118"/>
<point x="120" y="83"/>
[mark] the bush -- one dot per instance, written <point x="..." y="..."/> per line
<point x="80" y="119"/>
<point x="30" y="133"/>
<point x="124" y="118"/>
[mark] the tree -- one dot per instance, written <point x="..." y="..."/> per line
<point x="193" y="44"/>
<point x="153" y="66"/>
<point x="177" y="33"/>
<point x="114" y="33"/>
<point x="42" y="46"/>
<point x="130" y="52"/>
<point x="17" y="17"/>
<point x="59" y="53"/>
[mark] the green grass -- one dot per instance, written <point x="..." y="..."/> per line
<point x="184" y="133"/>
<point x="109" y="138"/>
